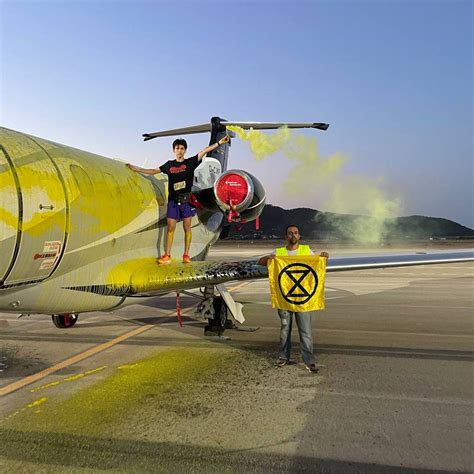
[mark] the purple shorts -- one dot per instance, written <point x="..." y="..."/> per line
<point x="180" y="211"/>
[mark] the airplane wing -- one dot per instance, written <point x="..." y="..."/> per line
<point x="147" y="278"/>
<point x="385" y="261"/>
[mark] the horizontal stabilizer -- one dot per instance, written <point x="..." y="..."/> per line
<point x="275" y="125"/>
<point x="207" y="127"/>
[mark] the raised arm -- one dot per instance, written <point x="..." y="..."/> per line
<point x="143" y="170"/>
<point x="210" y="148"/>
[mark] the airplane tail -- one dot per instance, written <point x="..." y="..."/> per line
<point x="211" y="173"/>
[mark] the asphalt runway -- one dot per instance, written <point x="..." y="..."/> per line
<point x="132" y="391"/>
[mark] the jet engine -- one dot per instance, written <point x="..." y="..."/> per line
<point x="239" y="195"/>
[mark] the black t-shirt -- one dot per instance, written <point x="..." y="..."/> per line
<point x="180" y="175"/>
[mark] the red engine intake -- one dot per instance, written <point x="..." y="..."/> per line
<point x="240" y="195"/>
<point x="233" y="191"/>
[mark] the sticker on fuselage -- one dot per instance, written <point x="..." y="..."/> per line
<point x="50" y="254"/>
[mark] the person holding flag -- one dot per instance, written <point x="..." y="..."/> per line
<point x="297" y="289"/>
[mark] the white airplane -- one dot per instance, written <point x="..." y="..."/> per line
<point x="80" y="232"/>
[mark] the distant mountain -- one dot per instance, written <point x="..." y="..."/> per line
<point x="315" y="224"/>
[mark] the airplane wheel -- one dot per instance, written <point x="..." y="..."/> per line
<point x="64" y="321"/>
<point x="220" y="314"/>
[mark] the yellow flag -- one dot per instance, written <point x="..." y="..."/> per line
<point x="297" y="283"/>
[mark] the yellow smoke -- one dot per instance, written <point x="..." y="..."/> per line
<point x="324" y="180"/>
<point x="261" y="144"/>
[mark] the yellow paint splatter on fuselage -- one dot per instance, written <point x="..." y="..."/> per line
<point x="103" y="194"/>
<point x="145" y="273"/>
<point x="8" y="218"/>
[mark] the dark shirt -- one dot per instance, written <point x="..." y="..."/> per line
<point x="180" y="175"/>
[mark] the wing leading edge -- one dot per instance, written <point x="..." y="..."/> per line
<point x="387" y="261"/>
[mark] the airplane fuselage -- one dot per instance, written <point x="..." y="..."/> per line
<point x="70" y="219"/>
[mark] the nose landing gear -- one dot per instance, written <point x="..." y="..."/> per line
<point x="64" y="321"/>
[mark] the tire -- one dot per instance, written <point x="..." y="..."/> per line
<point x="219" y="320"/>
<point x="65" y="321"/>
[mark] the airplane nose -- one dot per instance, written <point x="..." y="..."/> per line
<point x="33" y="209"/>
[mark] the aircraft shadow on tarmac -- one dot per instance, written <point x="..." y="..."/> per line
<point x="90" y="452"/>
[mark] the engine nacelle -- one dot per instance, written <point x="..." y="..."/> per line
<point x="239" y="195"/>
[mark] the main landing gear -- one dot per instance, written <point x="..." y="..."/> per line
<point x="64" y="321"/>
<point x="215" y="310"/>
<point x="220" y="320"/>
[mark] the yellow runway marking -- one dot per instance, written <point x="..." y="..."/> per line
<point x="37" y="402"/>
<point x="68" y="379"/>
<point x="74" y="377"/>
<point x="127" y="366"/>
<point x="93" y="371"/>
<point x="240" y="285"/>
<point x="72" y="360"/>
<point x="52" y="384"/>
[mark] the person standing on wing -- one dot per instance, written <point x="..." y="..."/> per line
<point x="303" y="320"/>
<point x="180" y="172"/>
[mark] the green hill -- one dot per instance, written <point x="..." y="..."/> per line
<point x="319" y="225"/>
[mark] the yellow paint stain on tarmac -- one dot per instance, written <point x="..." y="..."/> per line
<point x="78" y="358"/>
<point x="111" y="400"/>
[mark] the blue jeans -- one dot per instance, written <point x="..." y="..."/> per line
<point x="303" y="321"/>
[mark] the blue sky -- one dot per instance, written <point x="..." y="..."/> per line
<point x="393" y="78"/>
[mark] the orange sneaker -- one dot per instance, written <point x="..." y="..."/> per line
<point x="164" y="259"/>
<point x="186" y="258"/>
